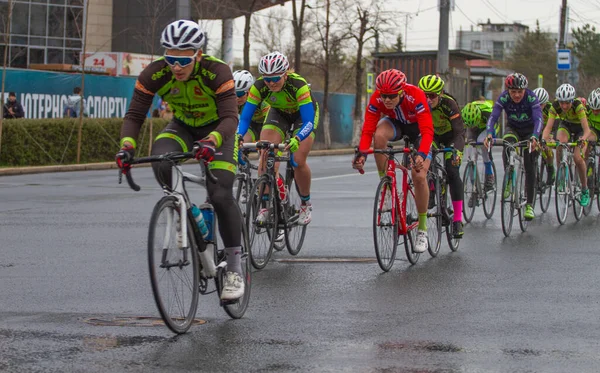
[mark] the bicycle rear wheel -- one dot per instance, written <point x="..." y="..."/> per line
<point x="173" y="265"/>
<point x="385" y="225"/>
<point x="471" y="191"/>
<point x="576" y="193"/>
<point x="453" y="243"/>
<point x="236" y="309"/>
<point x="490" y="196"/>
<point x="262" y="230"/>
<point x="562" y="193"/>
<point x="591" y="183"/>
<point x="242" y="190"/>
<point x="508" y="208"/>
<point x="294" y="232"/>
<point x="544" y="188"/>
<point x="412" y="219"/>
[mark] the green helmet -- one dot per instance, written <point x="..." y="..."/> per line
<point x="471" y="114"/>
<point x="431" y="83"/>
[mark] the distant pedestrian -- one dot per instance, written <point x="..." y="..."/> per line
<point x="73" y="105"/>
<point x="13" y="109"/>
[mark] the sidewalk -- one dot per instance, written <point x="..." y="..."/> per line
<point x="108" y="165"/>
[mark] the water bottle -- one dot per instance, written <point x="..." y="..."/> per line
<point x="208" y="215"/>
<point x="282" y="190"/>
<point x="199" y="218"/>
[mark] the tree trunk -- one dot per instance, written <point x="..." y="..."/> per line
<point x="6" y="36"/>
<point x="248" y="18"/>
<point x="326" y="124"/>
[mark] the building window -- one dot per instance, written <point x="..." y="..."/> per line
<point x="498" y="51"/>
<point x="41" y="28"/>
<point x="475" y="44"/>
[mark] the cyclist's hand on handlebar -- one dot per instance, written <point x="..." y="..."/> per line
<point x="457" y="158"/>
<point x="487" y="142"/>
<point x="124" y="156"/>
<point x="418" y="162"/>
<point x="205" y="150"/>
<point x="293" y="145"/>
<point x="534" y="142"/>
<point x="359" y="161"/>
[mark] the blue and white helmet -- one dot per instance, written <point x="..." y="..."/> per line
<point x="183" y="35"/>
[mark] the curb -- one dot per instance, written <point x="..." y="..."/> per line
<point x="110" y="165"/>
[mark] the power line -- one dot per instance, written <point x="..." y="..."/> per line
<point x="466" y="16"/>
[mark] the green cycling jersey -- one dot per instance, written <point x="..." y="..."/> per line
<point x="573" y="116"/>
<point x="294" y="93"/>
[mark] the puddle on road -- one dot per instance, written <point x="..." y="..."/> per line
<point x="103" y="343"/>
<point x="422" y="346"/>
<point x="143" y="321"/>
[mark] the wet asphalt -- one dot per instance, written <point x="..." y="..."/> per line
<point x="75" y="292"/>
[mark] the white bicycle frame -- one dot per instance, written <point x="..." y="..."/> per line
<point x="178" y="176"/>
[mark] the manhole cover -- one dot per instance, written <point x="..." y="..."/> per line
<point x="132" y="321"/>
<point x="326" y="260"/>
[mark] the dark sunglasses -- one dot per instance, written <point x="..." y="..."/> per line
<point x="182" y="61"/>
<point x="431" y="96"/>
<point x="240" y="93"/>
<point x="389" y="97"/>
<point x="272" y="79"/>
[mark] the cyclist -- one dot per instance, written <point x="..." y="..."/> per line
<point x="293" y="110"/>
<point x="475" y="116"/>
<point x="573" y="120"/>
<point x="593" y="111"/>
<point x="547" y="154"/>
<point x="200" y="90"/>
<point x="243" y="81"/>
<point x="397" y="109"/>
<point x="524" y="122"/>
<point x="448" y="129"/>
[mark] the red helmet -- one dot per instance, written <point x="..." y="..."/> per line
<point x="390" y="81"/>
<point x="516" y="81"/>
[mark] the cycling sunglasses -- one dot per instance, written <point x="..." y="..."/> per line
<point x="240" y="93"/>
<point x="431" y="96"/>
<point x="391" y="96"/>
<point x="272" y="79"/>
<point x="182" y="61"/>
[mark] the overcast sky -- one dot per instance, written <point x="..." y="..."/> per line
<point x="423" y="18"/>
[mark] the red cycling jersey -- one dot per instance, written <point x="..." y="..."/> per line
<point x="412" y="110"/>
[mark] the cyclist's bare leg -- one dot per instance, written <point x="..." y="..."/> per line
<point x="384" y="133"/>
<point x="561" y="136"/>
<point x="421" y="187"/>
<point x="580" y="165"/>
<point x="302" y="173"/>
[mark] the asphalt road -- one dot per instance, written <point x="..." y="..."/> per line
<point x="73" y="259"/>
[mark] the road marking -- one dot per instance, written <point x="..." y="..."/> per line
<point x="340" y="176"/>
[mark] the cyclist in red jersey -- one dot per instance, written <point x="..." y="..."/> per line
<point x="398" y="109"/>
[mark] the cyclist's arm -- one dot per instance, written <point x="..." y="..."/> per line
<point x="496" y="111"/>
<point x="425" y="122"/>
<point x="458" y="126"/>
<point x="226" y="102"/>
<point x="143" y="93"/>
<point x="552" y="116"/>
<point x="254" y="99"/>
<point x="372" y="115"/>
<point x="585" y="125"/>
<point x="537" y="117"/>
<point x="307" y="112"/>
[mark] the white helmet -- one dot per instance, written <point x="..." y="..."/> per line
<point x="183" y="34"/>
<point x="565" y="92"/>
<point x="594" y="99"/>
<point x="273" y="64"/>
<point x="243" y="80"/>
<point x="542" y="95"/>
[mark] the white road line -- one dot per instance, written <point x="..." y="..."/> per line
<point x="344" y="175"/>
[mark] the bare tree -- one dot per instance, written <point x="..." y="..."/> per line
<point x="154" y="22"/>
<point x="6" y="21"/>
<point x="269" y="34"/>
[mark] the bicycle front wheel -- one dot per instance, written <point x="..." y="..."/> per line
<point x="508" y="208"/>
<point x="576" y="193"/>
<point x="238" y="308"/>
<point x="562" y="193"/>
<point x="261" y="221"/>
<point x="590" y="172"/>
<point x="544" y="187"/>
<point x="412" y="219"/>
<point x="490" y="196"/>
<point x="521" y="200"/>
<point x="471" y="191"/>
<point x="294" y="232"/>
<point x="173" y="265"/>
<point x="385" y="225"/>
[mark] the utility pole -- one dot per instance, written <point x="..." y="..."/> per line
<point x="443" y="55"/>
<point x="561" y="37"/>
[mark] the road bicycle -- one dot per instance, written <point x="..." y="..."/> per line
<point x="395" y="210"/>
<point x="514" y="196"/>
<point x="567" y="185"/>
<point x="543" y="186"/>
<point x="244" y="179"/>
<point x="180" y="260"/>
<point x="592" y="177"/>
<point x="280" y="212"/>
<point x="475" y="192"/>
<point x="440" y="214"/>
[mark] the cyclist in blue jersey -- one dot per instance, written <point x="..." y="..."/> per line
<point x="524" y="115"/>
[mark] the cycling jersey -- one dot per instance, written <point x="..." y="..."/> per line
<point x="206" y="98"/>
<point x="573" y="116"/>
<point x="521" y="116"/>
<point x="593" y="119"/>
<point x="546" y="112"/>
<point x="447" y="120"/>
<point x="259" y="115"/>
<point x="294" y="97"/>
<point x="412" y="110"/>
